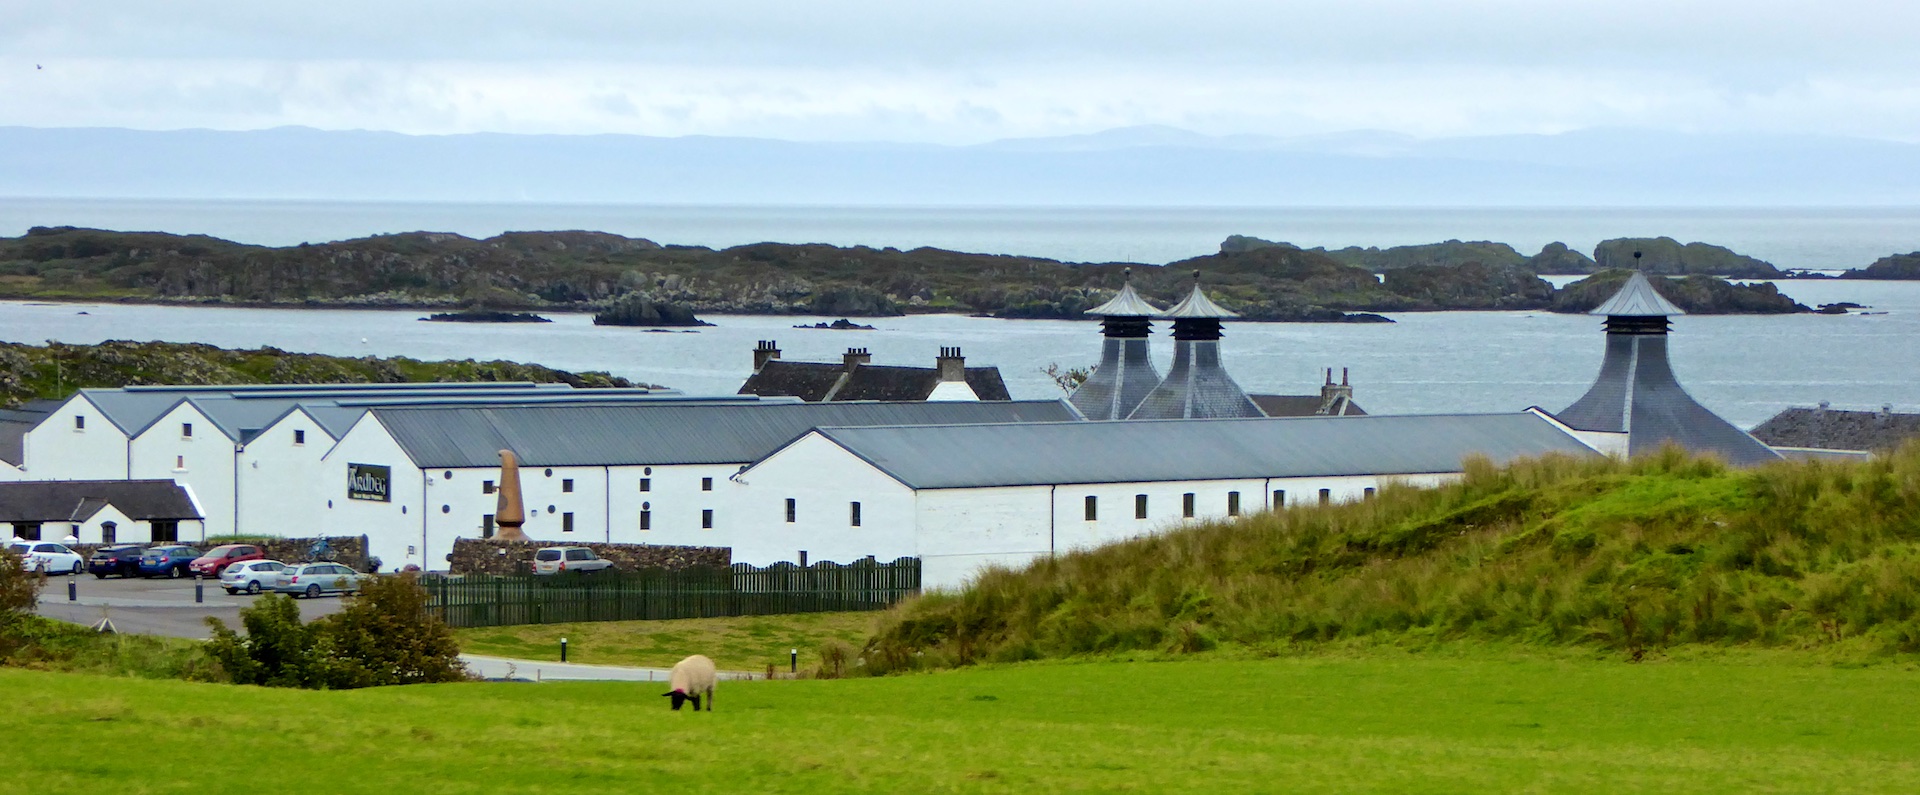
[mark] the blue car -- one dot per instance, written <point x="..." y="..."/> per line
<point x="167" y="560"/>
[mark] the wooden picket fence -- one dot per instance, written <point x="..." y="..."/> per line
<point x="485" y="600"/>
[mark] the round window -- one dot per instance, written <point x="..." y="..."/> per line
<point x="549" y="473"/>
<point x="647" y="471"/>
<point x="447" y="475"/>
<point x="446" y="509"/>
<point x="550" y="509"/>
<point x="646" y="506"/>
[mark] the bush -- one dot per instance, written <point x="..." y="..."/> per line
<point x="384" y="636"/>
<point x="19" y="592"/>
<point x="279" y="650"/>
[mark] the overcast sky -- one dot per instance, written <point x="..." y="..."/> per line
<point x="966" y="71"/>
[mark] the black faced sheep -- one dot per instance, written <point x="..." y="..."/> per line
<point x="690" y="678"/>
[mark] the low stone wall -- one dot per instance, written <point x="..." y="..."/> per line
<point x="487" y="556"/>
<point x="349" y="550"/>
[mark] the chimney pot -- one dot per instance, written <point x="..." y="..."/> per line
<point x="952" y="366"/>
<point x="856" y="357"/>
<point x="765" y="351"/>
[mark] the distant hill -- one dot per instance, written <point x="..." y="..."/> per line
<point x="1132" y="166"/>
<point x="1896" y="266"/>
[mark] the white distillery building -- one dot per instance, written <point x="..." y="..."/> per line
<point x="416" y="477"/>
<point x="963" y="497"/>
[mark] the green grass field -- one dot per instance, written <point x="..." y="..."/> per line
<point x="749" y="643"/>
<point x="1461" y="721"/>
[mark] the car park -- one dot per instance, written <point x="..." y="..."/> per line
<point x="313" y="579"/>
<point x="47" y="556"/>
<point x="580" y="560"/>
<point x="167" y="560"/>
<point x="253" y="576"/>
<point x="120" y="560"/>
<point x="219" y="558"/>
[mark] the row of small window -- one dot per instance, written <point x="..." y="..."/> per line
<point x="186" y="429"/>
<point x="1187" y="500"/>
<point x="164" y="531"/>
<point x="566" y="485"/>
<point x="853" y="512"/>
<point x="487" y="523"/>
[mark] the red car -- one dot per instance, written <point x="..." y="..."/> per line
<point x="219" y="558"/>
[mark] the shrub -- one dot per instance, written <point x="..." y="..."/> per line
<point x="384" y="636"/>
<point x="279" y="650"/>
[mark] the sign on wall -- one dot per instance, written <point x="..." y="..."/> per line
<point x="369" y="482"/>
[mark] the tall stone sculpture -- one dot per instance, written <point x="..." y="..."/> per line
<point x="511" y="511"/>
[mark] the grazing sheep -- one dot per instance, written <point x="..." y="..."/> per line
<point x="691" y="677"/>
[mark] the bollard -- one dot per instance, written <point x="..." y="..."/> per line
<point x="73" y="591"/>
<point x="199" y="590"/>
<point x="563" y="649"/>
<point x="794" y="659"/>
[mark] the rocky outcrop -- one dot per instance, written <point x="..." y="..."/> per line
<point x="853" y="301"/>
<point x="1895" y="266"/>
<point x="1472" y="284"/>
<point x="1699" y="295"/>
<point x="1380" y="260"/>
<point x="635" y="309"/>
<point x="488" y="556"/>
<point x="1668" y="257"/>
<point x="1556" y="258"/>
<point x="484" y="316"/>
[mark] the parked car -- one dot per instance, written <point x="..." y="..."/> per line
<point x="219" y="558"/>
<point x="554" y="560"/>
<point x="167" y="560"/>
<point x="120" y="559"/>
<point x="313" y="579"/>
<point x="47" y="556"/>
<point x="252" y="576"/>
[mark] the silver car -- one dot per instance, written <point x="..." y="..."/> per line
<point x="252" y="576"/>
<point x="313" y="579"/>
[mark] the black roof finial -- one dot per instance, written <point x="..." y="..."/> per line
<point x="1196" y="275"/>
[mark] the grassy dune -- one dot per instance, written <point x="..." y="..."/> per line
<point x="1485" y="721"/>
<point x="1632" y="557"/>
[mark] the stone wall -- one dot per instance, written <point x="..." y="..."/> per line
<point x="487" y="556"/>
<point x="350" y="550"/>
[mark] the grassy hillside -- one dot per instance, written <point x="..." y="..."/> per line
<point x="1488" y="722"/>
<point x="56" y="370"/>
<point x="1630" y="558"/>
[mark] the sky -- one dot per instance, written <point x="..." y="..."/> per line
<point x="967" y="71"/>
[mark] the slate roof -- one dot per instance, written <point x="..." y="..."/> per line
<point x="1637" y="394"/>
<point x="77" y="500"/>
<point x="1299" y="406"/>
<point x="817" y="382"/>
<point x="1124" y="377"/>
<point x="1637" y="298"/>
<point x="1198" y="305"/>
<point x="1126" y="304"/>
<point x="663" y="433"/>
<point x="977" y="456"/>
<point x="1832" y="429"/>
<point x="14" y="424"/>
<point x="1197" y="387"/>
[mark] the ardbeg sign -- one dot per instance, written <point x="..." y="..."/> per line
<point x="369" y="482"/>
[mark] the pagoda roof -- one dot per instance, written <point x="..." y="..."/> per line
<point x="1637" y="298"/>
<point x="1197" y="305"/>
<point x="1126" y="304"/>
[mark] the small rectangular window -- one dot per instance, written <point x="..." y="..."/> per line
<point x="853" y="514"/>
<point x="186" y="430"/>
<point x="1279" y="499"/>
<point x="179" y="463"/>
<point x="1233" y="503"/>
<point x="1139" y="506"/>
<point x="646" y="520"/>
<point x="646" y="484"/>
<point x="566" y="485"/>
<point x="165" y="531"/>
<point x="706" y="518"/>
<point x="706" y="484"/>
<point x="1369" y="493"/>
<point x="109" y="532"/>
<point x="1186" y="505"/>
<point x="486" y="526"/>
<point x="1093" y="508"/>
<point x="1326" y="496"/>
<point x="299" y="437"/>
<point x="792" y="510"/>
<point x="566" y="522"/>
<point x="486" y="487"/>
<point x="79" y="422"/>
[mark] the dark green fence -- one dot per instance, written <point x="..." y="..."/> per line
<point x="486" y="600"/>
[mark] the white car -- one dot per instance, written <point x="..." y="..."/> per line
<point x="252" y="576"/>
<point x="48" y="556"/>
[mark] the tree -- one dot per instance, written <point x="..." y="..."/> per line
<point x="1069" y="379"/>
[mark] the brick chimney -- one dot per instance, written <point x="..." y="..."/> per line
<point x="764" y="351"/>
<point x="952" y="366"/>
<point x="855" y="357"/>
<point x="1335" y="399"/>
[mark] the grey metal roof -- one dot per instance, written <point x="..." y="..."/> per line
<point x="1637" y="298"/>
<point x="1124" y="377"/>
<point x="14" y="424"/>
<point x="663" y="433"/>
<point x="1197" y="304"/>
<point x="77" y="500"/>
<point x="1637" y="394"/>
<point x="1198" y="387"/>
<point x="1039" y="454"/>
<point x="1127" y="304"/>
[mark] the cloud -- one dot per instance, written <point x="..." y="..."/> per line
<point x="964" y="71"/>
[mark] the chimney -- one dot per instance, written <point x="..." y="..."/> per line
<point x="952" y="366"/>
<point x="854" y="358"/>
<point x="764" y="351"/>
<point x="1335" y="398"/>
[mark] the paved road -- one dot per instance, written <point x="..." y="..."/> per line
<point x="154" y="607"/>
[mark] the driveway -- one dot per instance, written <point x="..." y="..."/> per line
<point x="155" y="607"/>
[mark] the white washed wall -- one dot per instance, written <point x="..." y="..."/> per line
<point x="204" y="461"/>
<point x="282" y="484"/>
<point x="961" y="531"/>
<point x="823" y="480"/>
<point x="54" y="450"/>
<point x="674" y="500"/>
<point x="395" y="530"/>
